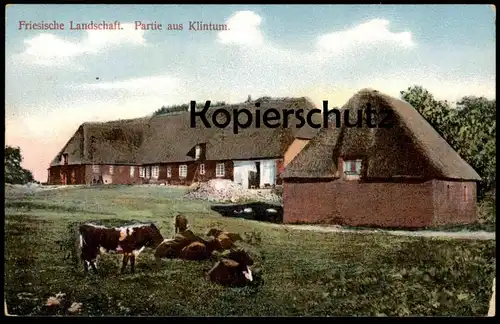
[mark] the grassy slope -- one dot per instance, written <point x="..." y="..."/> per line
<point x="304" y="273"/>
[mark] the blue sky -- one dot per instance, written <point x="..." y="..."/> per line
<point x="322" y="52"/>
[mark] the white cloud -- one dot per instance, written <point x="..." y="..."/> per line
<point x="370" y="33"/>
<point x="243" y="29"/>
<point x="51" y="50"/>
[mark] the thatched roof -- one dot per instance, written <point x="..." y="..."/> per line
<point x="262" y="142"/>
<point x="412" y="148"/>
<point x="114" y="142"/>
<point x="170" y="138"/>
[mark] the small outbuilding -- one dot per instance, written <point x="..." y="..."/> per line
<point x="401" y="175"/>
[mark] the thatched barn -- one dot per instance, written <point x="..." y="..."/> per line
<point x="166" y="149"/>
<point x="100" y="152"/>
<point x="403" y="176"/>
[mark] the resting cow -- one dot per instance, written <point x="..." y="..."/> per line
<point x="171" y="248"/>
<point x="226" y="238"/>
<point x="233" y="270"/>
<point x="128" y="240"/>
<point x="200" y="251"/>
<point x="186" y="245"/>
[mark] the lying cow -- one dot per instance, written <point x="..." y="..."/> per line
<point x="180" y="224"/>
<point x="233" y="270"/>
<point x="128" y="240"/>
<point x="226" y="238"/>
<point x="200" y="251"/>
<point x="171" y="248"/>
<point x="186" y="245"/>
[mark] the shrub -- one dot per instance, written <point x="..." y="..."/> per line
<point x="487" y="209"/>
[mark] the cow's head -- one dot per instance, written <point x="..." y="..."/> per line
<point x="214" y="232"/>
<point x="241" y="256"/>
<point x="155" y="236"/>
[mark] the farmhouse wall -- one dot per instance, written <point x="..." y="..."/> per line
<point x="67" y="174"/>
<point x="392" y="204"/>
<point x="454" y="202"/>
<point x="192" y="166"/>
<point x="354" y="204"/>
<point x="120" y="174"/>
<point x="74" y="148"/>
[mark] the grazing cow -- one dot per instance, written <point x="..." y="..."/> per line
<point x="180" y="223"/>
<point x="233" y="270"/>
<point x="128" y="240"/>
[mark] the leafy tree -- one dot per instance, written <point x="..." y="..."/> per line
<point x="184" y="107"/>
<point x="14" y="173"/>
<point x="470" y="128"/>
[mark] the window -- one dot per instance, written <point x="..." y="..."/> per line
<point x="95" y="168"/>
<point x="64" y="159"/>
<point x="352" y="169"/>
<point x="465" y="193"/>
<point x="142" y="172"/>
<point x="110" y="169"/>
<point x="132" y="171"/>
<point x="148" y="172"/>
<point x="219" y="170"/>
<point x="197" y="152"/>
<point x="155" y="172"/>
<point x="169" y="172"/>
<point x="202" y="169"/>
<point x="183" y="170"/>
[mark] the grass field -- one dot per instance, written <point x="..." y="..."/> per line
<point x="304" y="273"/>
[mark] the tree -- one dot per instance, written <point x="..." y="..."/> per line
<point x="165" y="110"/>
<point x="14" y="173"/>
<point x="470" y="128"/>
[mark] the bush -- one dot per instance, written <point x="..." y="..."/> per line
<point x="487" y="209"/>
<point x="278" y="191"/>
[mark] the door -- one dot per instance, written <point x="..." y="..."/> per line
<point x="64" y="178"/>
<point x="73" y="177"/>
<point x="253" y="179"/>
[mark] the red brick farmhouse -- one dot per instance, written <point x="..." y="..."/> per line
<point x="165" y="149"/>
<point x="403" y="176"/>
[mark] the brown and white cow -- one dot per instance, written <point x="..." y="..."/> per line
<point x="128" y="240"/>
<point x="233" y="270"/>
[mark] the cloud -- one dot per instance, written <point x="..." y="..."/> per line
<point x="50" y="50"/>
<point x="369" y="33"/>
<point x="243" y="29"/>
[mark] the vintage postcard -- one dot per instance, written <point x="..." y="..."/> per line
<point x="257" y="160"/>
